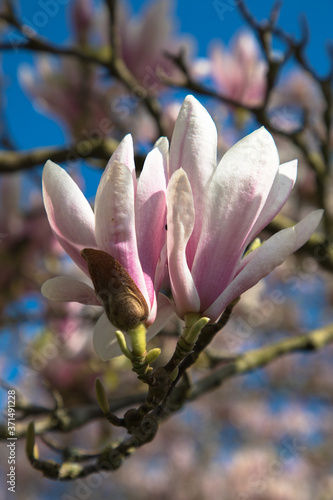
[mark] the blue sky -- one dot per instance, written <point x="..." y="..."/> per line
<point x="205" y="21"/>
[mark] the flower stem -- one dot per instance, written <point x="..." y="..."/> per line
<point x="138" y="355"/>
<point x="194" y="323"/>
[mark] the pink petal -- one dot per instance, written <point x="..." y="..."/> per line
<point x="161" y="274"/>
<point x="66" y="289"/>
<point x="104" y="340"/>
<point x="263" y="260"/>
<point x="115" y="221"/>
<point x="163" y="145"/>
<point x="193" y="148"/>
<point x="124" y="153"/>
<point x="180" y="220"/>
<point x="234" y="200"/>
<point x="283" y="183"/>
<point x="70" y="215"/>
<point x="150" y="214"/>
<point x="152" y="34"/>
<point x="165" y="311"/>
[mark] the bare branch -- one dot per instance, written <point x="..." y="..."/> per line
<point x="252" y="360"/>
<point x="12" y="161"/>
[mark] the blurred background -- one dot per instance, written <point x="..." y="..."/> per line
<point x="263" y="436"/>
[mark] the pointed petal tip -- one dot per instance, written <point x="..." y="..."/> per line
<point x="264" y="135"/>
<point x="291" y="166"/>
<point x="313" y="218"/>
<point x="162" y="144"/>
<point x="178" y="175"/>
<point x="126" y="144"/>
<point x="50" y="167"/>
<point x="127" y="139"/>
<point x="49" y="163"/>
<point x="262" y="142"/>
<point x="190" y="98"/>
<point x="191" y="102"/>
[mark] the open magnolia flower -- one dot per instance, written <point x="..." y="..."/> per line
<point x="120" y="246"/>
<point x="214" y="211"/>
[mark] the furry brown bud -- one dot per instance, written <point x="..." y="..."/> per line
<point x="124" y="304"/>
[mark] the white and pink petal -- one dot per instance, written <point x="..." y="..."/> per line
<point x="234" y="200"/>
<point x="165" y="312"/>
<point x="194" y="148"/>
<point x="69" y="213"/>
<point x="67" y="289"/>
<point x="150" y="215"/>
<point x="180" y="222"/>
<point x="104" y="339"/>
<point x="283" y="183"/>
<point x="115" y="221"/>
<point x="264" y="259"/>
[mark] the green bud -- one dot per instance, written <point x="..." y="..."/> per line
<point x="152" y="355"/>
<point x="122" y="344"/>
<point x="138" y="340"/>
<point x="192" y="335"/>
<point x="101" y="397"/>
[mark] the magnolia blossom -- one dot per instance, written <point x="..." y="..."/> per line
<point x="128" y="225"/>
<point x="240" y="72"/>
<point x="216" y="210"/>
<point x="298" y="98"/>
<point x="71" y="92"/>
<point x="143" y="40"/>
<point x="82" y="19"/>
<point x="24" y="236"/>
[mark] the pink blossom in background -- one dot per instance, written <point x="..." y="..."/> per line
<point x="239" y="71"/>
<point x="88" y="104"/>
<point x="71" y="91"/>
<point x="216" y="210"/>
<point x="88" y="108"/>
<point x="128" y="224"/>
<point x="82" y="20"/>
<point x="144" y="39"/>
<point x="25" y="236"/>
<point x="297" y="99"/>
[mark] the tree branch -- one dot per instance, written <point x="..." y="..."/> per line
<point x="258" y="358"/>
<point x="66" y="420"/>
<point x="145" y="429"/>
<point x="12" y="161"/>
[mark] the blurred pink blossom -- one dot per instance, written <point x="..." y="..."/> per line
<point x="89" y="108"/>
<point x="70" y="90"/>
<point x="82" y="16"/>
<point x="24" y="236"/>
<point x="144" y="39"/>
<point x="239" y="72"/>
<point x="297" y="98"/>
